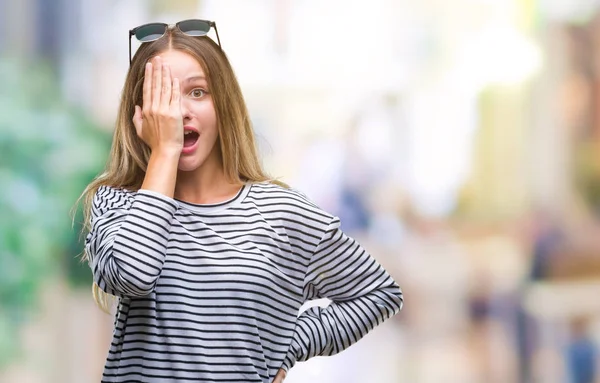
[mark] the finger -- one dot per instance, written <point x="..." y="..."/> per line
<point x="156" y="83"/>
<point x="138" y="120"/>
<point x="165" y="97"/>
<point x="147" y="90"/>
<point x="176" y="95"/>
<point x="167" y="82"/>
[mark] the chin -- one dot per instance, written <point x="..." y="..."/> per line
<point x="188" y="165"/>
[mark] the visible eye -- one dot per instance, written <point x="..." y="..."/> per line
<point x="198" y="93"/>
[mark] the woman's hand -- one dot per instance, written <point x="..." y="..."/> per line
<point x="158" y="122"/>
<point x="280" y="376"/>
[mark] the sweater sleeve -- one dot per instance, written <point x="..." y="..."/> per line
<point x="362" y="296"/>
<point x="128" y="239"/>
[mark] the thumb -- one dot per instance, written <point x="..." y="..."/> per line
<point x="138" y="120"/>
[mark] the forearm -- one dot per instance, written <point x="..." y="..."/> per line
<point x="161" y="172"/>
<point x="328" y="331"/>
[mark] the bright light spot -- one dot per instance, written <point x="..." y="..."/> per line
<point x="500" y="55"/>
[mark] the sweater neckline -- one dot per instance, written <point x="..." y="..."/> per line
<point x="219" y="206"/>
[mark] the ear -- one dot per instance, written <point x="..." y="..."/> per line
<point x="138" y="120"/>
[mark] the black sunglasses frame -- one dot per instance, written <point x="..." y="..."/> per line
<point x="211" y="24"/>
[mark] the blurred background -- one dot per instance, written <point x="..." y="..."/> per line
<point x="459" y="141"/>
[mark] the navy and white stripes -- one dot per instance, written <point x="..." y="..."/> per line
<point x="211" y="293"/>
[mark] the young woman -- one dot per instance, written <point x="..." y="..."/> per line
<point x="210" y="258"/>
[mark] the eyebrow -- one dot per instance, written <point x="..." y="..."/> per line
<point x="194" y="78"/>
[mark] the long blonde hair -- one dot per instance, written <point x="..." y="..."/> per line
<point x="129" y="155"/>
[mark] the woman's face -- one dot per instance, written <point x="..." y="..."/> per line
<point x="199" y="118"/>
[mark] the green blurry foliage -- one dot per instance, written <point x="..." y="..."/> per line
<point x="49" y="151"/>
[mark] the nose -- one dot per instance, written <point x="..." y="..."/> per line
<point x="185" y="110"/>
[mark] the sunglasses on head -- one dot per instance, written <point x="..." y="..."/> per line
<point x="154" y="31"/>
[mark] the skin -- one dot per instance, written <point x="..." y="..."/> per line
<point x="279" y="377"/>
<point x="176" y="95"/>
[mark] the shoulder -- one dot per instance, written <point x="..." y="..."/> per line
<point x="288" y="202"/>
<point x="108" y="198"/>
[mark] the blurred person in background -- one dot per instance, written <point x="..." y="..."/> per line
<point x="210" y="258"/>
<point x="582" y="353"/>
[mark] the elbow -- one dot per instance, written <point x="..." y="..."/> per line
<point x="131" y="283"/>
<point x="398" y="299"/>
<point x="138" y="288"/>
<point x="395" y="298"/>
<point x="135" y="273"/>
<point x="123" y="285"/>
<point x="122" y="279"/>
<point x="125" y="267"/>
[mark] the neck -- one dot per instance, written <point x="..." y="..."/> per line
<point x="206" y="185"/>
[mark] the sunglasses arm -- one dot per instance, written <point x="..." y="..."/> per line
<point x="217" y="33"/>
<point x="130" y="34"/>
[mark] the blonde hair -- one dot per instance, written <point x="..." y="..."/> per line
<point x="129" y="155"/>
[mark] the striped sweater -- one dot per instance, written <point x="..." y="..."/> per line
<point x="211" y="293"/>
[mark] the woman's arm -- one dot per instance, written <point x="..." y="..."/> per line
<point x="129" y="235"/>
<point x="128" y="239"/>
<point x="363" y="295"/>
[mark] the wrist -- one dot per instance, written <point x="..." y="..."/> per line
<point x="166" y="152"/>
<point x="161" y="173"/>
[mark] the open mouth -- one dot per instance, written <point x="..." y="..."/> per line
<point x="189" y="138"/>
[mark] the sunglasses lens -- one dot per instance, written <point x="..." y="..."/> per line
<point x="150" y="32"/>
<point x="194" y="27"/>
